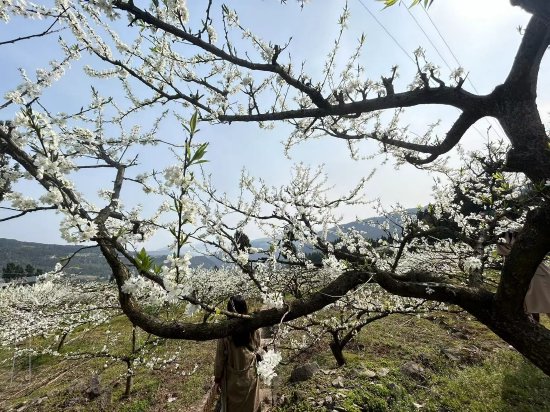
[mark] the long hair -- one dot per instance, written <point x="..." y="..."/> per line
<point x="238" y="304"/>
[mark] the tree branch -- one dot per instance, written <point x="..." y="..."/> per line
<point x="42" y="34"/>
<point x="465" y="297"/>
<point x="530" y="248"/>
<point x="450" y="96"/>
<point x="539" y="8"/>
<point x="24" y="212"/>
<point x="522" y="79"/>
<point x="314" y="94"/>
<point x="204" y="331"/>
<point x="462" y="124"/>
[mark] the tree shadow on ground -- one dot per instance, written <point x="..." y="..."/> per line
<point x="525" y="382"/>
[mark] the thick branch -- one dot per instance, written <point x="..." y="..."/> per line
<point x="522" y="79"/>
<point x="176" y="330"/>
<point x="516" y="107"/>
<point x="530" y="248"/>
<point x="540" y="8"/>
<point x="457" y="295"/>
<point x="453" y="137"/>
<point x="449" y="96"/>
<point x="462" y="124"/>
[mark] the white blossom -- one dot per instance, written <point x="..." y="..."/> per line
<point x="266" y="367"/>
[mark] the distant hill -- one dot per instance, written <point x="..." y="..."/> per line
<point x="45" y="256"/>
<point x="87" y="263"/>
<point x="370" y="227"/>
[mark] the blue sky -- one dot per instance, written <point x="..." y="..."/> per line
<point x="481" y="34"/>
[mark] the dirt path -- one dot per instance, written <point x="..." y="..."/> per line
<point x="265" y="399"/>
<point x="203" y="405"/>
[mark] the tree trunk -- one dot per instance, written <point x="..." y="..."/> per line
<point x="129" y="364"/>
<point x="62" y="341"/>
<point x="336" y="350"/>
<point x="129" y="380"/>
<point x="529" y="338"/>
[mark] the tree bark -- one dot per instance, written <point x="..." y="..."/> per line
<point x="337" y="350"/>
<point x="62" y="341"/>
<point x="129" y="380"/>
<point x="529" y="338"/>
<point x="207" y="331"/>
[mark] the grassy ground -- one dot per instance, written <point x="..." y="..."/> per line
<point x="56" y="384"/>
<point x="460" y="366"/>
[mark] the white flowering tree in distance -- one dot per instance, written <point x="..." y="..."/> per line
<point x="55" y="316"/>
<point x="163" y="61"/>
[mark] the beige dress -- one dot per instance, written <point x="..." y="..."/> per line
<point x="236" y="367"/>
<point x="537" y="298"/>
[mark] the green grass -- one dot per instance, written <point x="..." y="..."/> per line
<point x="139" y="405"/>
<point x="504" y="382"/>
<point x="61" y="384"/>
<point x="465" y="368"/>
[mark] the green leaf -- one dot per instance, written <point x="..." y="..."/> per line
<point x="187" y="151"/>
<point x="199" y="154"/>
<point x="498" y="176"/>
<point x="144" y="262"/>
<point x="389" y="3"/>
<point x="193" y="122"/>
<point x="425" y="3"/>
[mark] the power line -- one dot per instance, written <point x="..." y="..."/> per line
<point x="445" y="61"/>
<point x="438" y="52"/>
<point x="459" y="65"/>
<point x="429" y="39"/>
<point x="449" y="48"/>
<point x="387" y="31"/>
<point x="403" y="49"/>
<point x="442" y="38"/>
<point x="433" y="45"/>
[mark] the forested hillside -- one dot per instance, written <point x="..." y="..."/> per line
<point x="45" y="256"/>
<point x="87" y="262"/>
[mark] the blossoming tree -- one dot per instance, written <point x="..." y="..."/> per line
<point x="169" y="58"/>
<point x="53" y="315"/>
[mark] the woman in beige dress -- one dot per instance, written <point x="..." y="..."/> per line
<point x="235" y="366"/>
<point x="537" y="298"/>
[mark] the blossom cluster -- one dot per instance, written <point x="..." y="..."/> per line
<point x="266" y="367"/>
